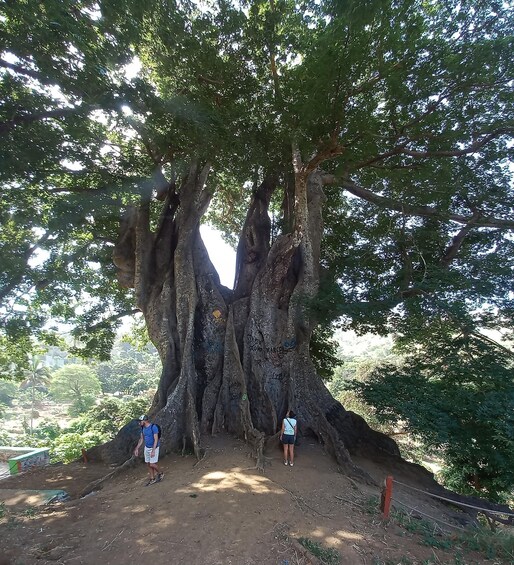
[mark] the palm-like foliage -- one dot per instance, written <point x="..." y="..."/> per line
<point x="36" y="376"/>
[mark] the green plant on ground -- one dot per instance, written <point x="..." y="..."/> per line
<point x="8" y="391"/>
<point x="30" y="512"/>
<point x="36" y="379"/>
<point x="2" y="509"/>
<point x="47" y="429"/>
<point x="109" y="415"/>
<point x="12" y="522"/>
<point x="371" y="505"/>
<point x="430" y="532"/>
<point x="77" y="384"/>
<point x="327" y="555"/>
<point x="498" y="544"/>
<point x="97" y="425"/>
<point x="449" y="395"/>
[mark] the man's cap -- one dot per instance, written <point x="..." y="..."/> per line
<point x="143" y="418"/>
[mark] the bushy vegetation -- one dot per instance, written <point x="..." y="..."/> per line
<point x="8" y="390"/>
<point x="82" y="405"/>
<point x="359" y="356"/>
<point x="447" y="396"/>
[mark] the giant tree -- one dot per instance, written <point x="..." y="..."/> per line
<point x="357" y="152"/>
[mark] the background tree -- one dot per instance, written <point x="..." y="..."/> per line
<point x="384" y="127"/>
<point x="8" y="392"/>
<point x="457" y="396"/>
<point x="36" y="377"/>
<point x="110" y="415"/>
<point x="130" y="371"/>
<point x="77" y="384"/>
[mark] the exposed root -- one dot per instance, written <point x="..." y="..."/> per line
<point x="204" y="454"/>
<point x="300" y="501"/>
<point x="261" y="459"/>
<point x="98" y="484"/>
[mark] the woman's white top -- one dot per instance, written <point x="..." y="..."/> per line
<point x="289" y="426"/>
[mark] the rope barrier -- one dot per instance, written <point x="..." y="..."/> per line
<point x="481" y="509"/>
<point x="428" y="515"/>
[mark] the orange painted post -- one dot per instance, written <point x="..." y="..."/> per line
<point x="385" y="498"/>
<point x="84" y="455"/>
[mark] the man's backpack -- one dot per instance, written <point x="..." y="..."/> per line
<point x="158" y="430"/>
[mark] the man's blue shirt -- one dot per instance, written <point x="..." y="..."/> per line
<point x="148" y="433"/>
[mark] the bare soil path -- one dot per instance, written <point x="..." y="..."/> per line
<point x="219" y="511"/>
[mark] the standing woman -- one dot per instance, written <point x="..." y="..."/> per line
<point x="288" y="436"/>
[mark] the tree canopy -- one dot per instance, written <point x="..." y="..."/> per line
<point x="77" y="384"/>
<point x="408" y="105"/>
<point x="404" y="108"/>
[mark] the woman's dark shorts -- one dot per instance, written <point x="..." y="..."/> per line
<point x="287" y="439"/>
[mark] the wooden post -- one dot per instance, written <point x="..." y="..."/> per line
<point x="385" y="498"/>
<point x="84" y="455"/>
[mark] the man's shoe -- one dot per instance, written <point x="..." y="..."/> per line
<point x="150" y="482"/>
<point x="160" y="476"/>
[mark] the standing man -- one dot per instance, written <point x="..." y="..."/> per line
<point x="150" y="436"/>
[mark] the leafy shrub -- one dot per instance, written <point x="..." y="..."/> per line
<point x="109" y="416"/>
<point x="47" y="429"/>
<point x="67" y="447"/>
<point x="455" y="397"/>
<point x="79" y="406"/>
<point x="8" y="391"/>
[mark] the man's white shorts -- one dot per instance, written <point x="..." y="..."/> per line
<point x="148" y="458"/>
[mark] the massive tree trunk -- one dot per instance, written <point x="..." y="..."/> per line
<point x="235" y="360"/>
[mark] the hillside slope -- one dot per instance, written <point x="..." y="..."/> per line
<point x="219" y="511"/>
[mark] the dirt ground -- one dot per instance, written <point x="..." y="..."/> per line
<point x="219" y="511"/>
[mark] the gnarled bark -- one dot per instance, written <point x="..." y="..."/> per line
<point x="235" y="361"/>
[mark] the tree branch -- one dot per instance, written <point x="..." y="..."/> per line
<point x="425" y="211"/>
<point x="29" y="118"/>
<point x="107" y="321"/>
<point x="4" y="291"/>
<point x="273" y="61"/>
<point x="483" y="337"/>
<point x="403" y="150"/>
<point x="21" y="70"/>
<point x="457" y="241"/>
<point x="475" y="146"/>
